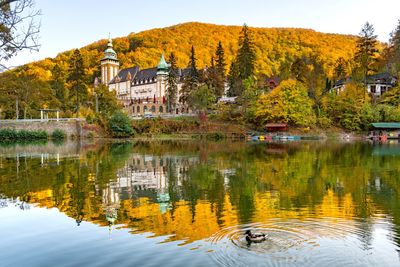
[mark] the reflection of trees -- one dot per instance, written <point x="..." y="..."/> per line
<point x="233" y="184"/>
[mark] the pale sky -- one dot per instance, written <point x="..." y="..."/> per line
<point x="75" y="23"/>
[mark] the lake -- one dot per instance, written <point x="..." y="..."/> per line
<point x="188" y="203"/>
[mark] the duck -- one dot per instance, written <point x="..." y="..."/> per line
<point x="255" y="237"/>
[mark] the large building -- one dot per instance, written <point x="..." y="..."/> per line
<point x="140" y="90"/>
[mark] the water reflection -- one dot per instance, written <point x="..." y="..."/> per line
<point x="306" y="196"/>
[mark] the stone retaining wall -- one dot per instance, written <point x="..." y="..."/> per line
<point x="71" y="128"/>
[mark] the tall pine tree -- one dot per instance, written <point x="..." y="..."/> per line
<point x="366" y="50"/>
<point x="394" y="48"/>
<point x="172" y="83"/>
<point x="246" y="55"/>
<point x="77" y="79"/>
<point x="220" y="68"/>
<point x="242" y="67"/>
<point x="191" y="81"/>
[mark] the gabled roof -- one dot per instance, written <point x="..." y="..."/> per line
<point x="123" y="74"/>
<point x="147" y="74"/>
<point x="381" y="78"/>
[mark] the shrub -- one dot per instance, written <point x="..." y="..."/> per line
<point x="120" y="125"/>
<point x="58" y="134"/>
<point x="12" y="134"/>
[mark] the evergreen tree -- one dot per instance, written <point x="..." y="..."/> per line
<point x="172" y="83"/>
<point x="76" y="78"/>
<point x="340" y="69"/>
<point x="191" y="81"/>
<point x="220" y="68"/>
<point x="58" y="85"/>
<point x="366" y="50"/>
<point x="393" y="51"/>
<point x="234" y="83"/>
<point x="246" y="55"/>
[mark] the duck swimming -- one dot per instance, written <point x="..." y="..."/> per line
<point x="254" y="237"/>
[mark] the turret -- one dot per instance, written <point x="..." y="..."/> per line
<point x="109" y="64"/>
<point x="162" y="73"/>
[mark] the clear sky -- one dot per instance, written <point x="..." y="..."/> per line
<point x="75" y="23"/>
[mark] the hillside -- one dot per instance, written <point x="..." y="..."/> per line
<point x="274" y="47"/>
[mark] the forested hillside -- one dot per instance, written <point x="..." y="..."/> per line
<point x="275" y="47"/>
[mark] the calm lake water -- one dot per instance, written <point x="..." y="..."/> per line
<point x="189" y="204"/>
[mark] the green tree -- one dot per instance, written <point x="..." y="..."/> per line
<point x="202" y="99"/>
<point x="234" y="83"/>
<point x="340" y="70"/>
<point x="366" y="53"/>
<point x="58" y="85"/>
<point x="77" y="79"/>
<point x="120" y="125"/>
<point x="288" y="103"/>
<point x="106" y="100"/>
<point x="191" y="81"/>
<point x="172" y="83"/>
<point x="246" y="55"/>
<point x="220" y="67"/>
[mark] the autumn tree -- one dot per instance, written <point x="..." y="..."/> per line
<point x="365" y="56"/>
<point x="191" y="81"/>
<point x="288" y="103"/>
<point x="393" y="50"/>
<point x="19" y="28"/>
<point x="172" y="83"/>
<point x="77" y="79"/>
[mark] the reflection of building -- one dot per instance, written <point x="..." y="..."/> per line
<point x="147" y="176"/>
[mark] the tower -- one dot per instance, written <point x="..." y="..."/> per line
<point x="109" y="64"/>
<point x="162" y="73"/>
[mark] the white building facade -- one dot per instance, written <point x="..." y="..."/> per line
<point x="140" y="90"/>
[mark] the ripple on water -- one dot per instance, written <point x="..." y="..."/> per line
<point x="309" y="242"/>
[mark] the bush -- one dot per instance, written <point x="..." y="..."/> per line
<point x="14" y="135"/>
<point x="58" y="135"/>
<point x="120" y="125"/>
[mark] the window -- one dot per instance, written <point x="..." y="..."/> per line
<point x="145" y="108"/>
<point x="138" y="109"/>
<point x="153" y="109"/>
<point x="373" y="89"/>
<point x="161" y="109"/>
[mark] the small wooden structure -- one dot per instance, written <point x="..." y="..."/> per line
<point x="385" y="130"/>
<point x="276" y="127"/>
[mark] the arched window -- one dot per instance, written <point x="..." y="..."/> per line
<point x="161" y="109"/>
<point x="138" y="109"/>
<point x="145" y="109"/>
<point x="133" y="109"/>
<point x="153" y="109"/>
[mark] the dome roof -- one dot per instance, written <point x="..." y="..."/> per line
<point x="109" y="53"/>
<point x="162" y="67"/>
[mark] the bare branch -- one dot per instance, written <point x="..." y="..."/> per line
<point x="19" y="28"/>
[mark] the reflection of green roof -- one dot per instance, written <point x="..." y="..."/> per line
<point x="386" y="125"/>
<point x="386" y="150"/>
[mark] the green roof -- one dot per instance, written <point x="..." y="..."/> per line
<point x="162" y="67"/>
<point x="386" y="125"/>
<point x="109" y="53"/>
